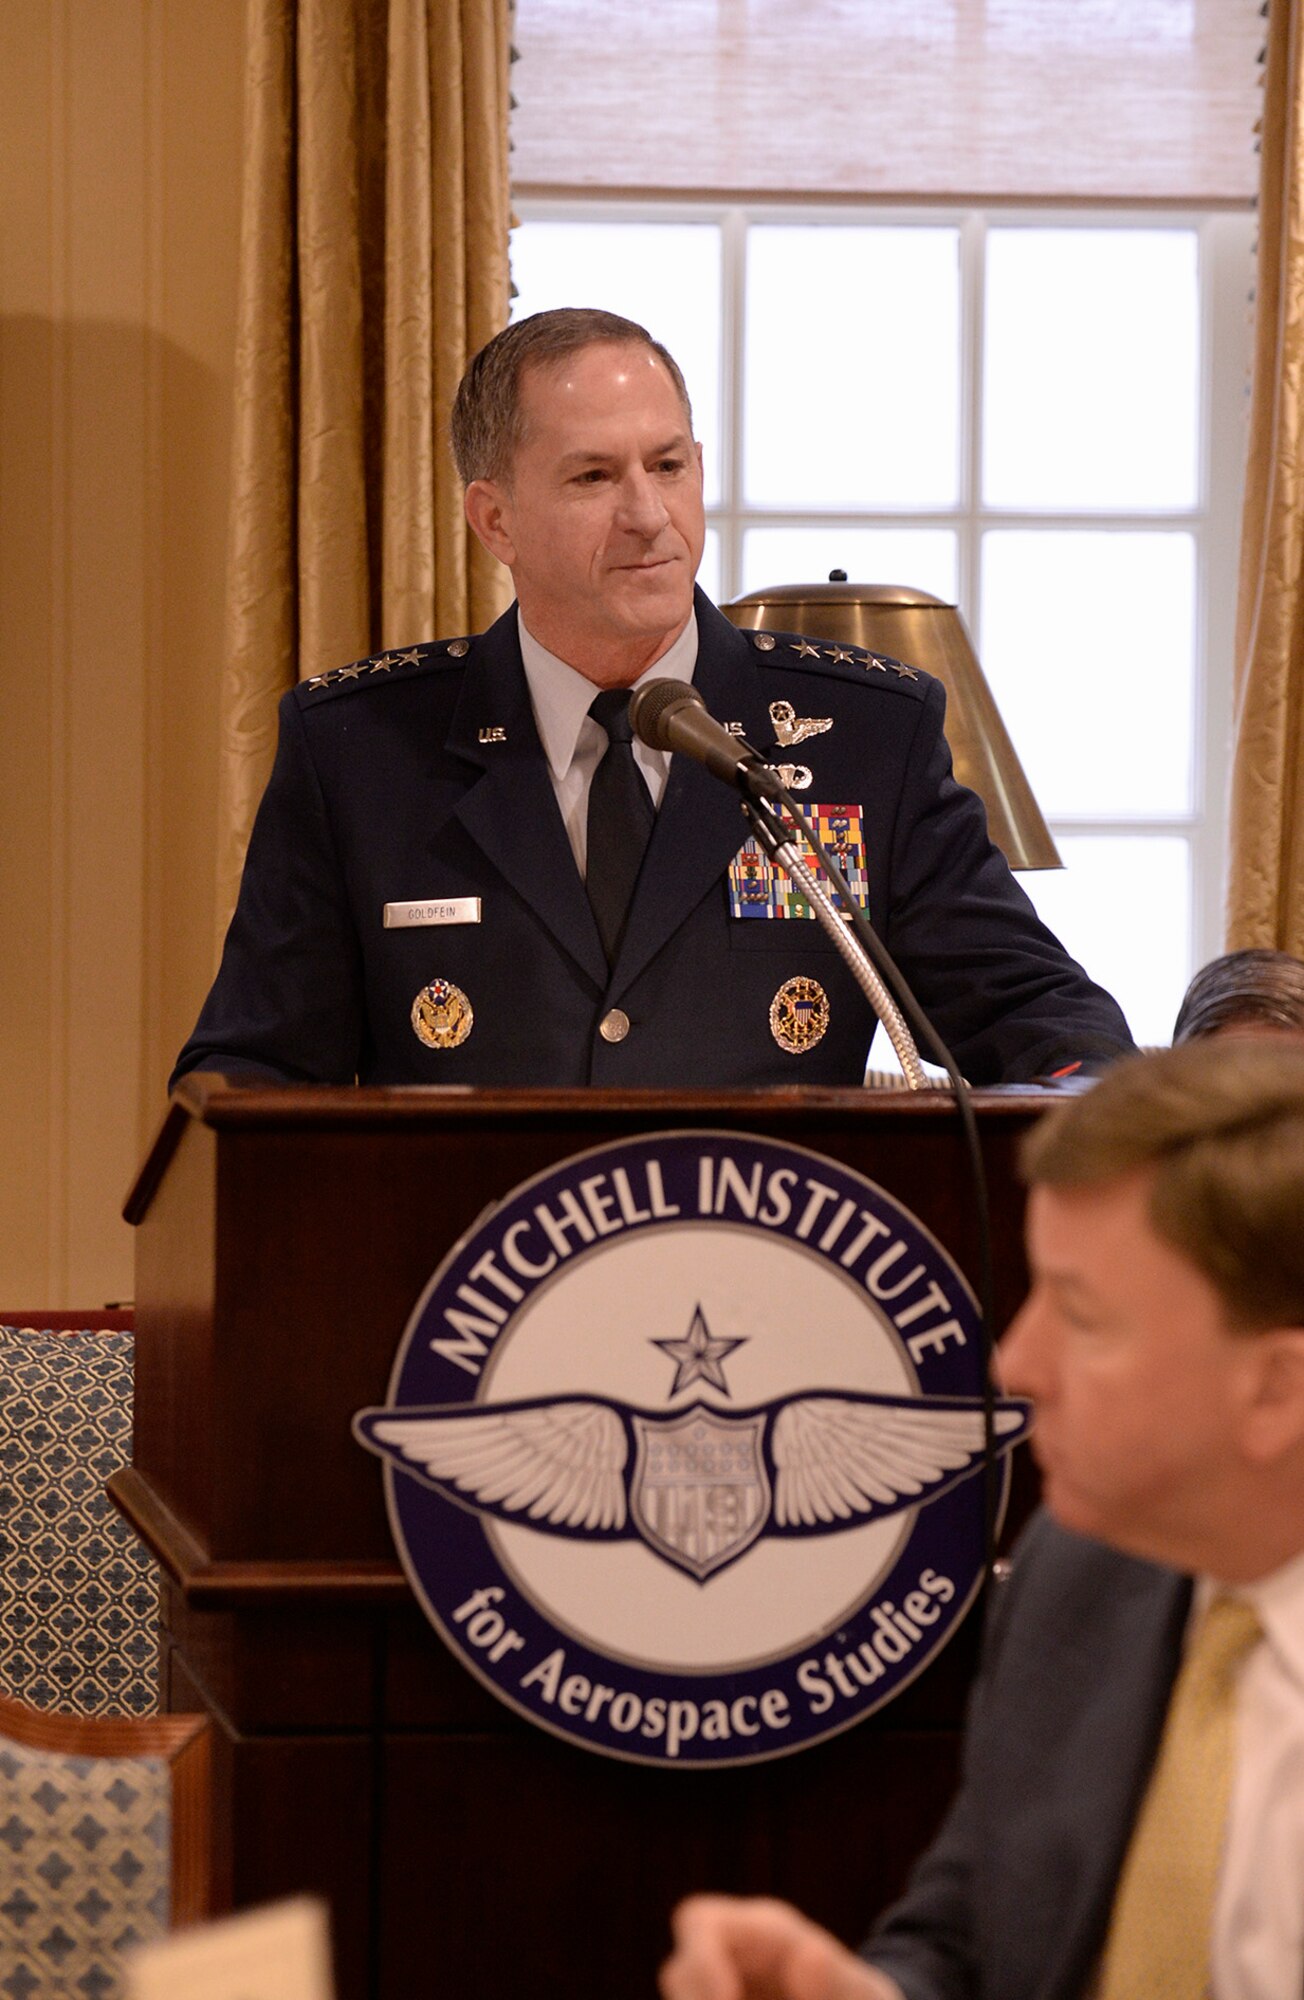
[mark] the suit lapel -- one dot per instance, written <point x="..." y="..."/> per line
<point x="1097" y="1805"/>
<point x="700" y="825"/>
<point x="510" y="810"/>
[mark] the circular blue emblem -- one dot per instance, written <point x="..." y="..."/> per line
<point x="680" y="1448"/>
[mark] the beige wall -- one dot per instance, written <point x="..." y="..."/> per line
<point x="119" y="213"/>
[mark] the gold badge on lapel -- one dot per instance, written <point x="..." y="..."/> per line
<point x="799" y="1014"/>
<point x="442" y="1015"/>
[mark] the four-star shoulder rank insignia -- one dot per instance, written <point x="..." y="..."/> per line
<point x="388" y="663"/>
<point x="384" y="663"/>
<point x="838" y="655"/>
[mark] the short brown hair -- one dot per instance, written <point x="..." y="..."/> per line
<point x="487" y="424"/>
<point x="1221" y="1123"/>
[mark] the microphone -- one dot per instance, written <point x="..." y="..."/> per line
<point x="671" y="715"/>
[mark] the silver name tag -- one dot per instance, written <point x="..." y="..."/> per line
<point x="412" y="916"/>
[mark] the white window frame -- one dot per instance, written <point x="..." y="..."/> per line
<point x="1225" y="276"/>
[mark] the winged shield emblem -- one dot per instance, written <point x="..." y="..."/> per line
<point x="699" y="1485"/>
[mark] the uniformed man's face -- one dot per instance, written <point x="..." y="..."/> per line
<point x="601" y="520"/>
<point x="1144" y="1394"/>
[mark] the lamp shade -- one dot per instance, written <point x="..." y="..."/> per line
<point x="926" y="632"/>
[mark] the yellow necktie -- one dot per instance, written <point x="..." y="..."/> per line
<point x="1162" y="1921"/>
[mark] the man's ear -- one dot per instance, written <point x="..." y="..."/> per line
<point x="1274" y="1417"/>
<point x="489" y="513"/>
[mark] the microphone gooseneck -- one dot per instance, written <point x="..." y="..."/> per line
<point x="671" y="715"/>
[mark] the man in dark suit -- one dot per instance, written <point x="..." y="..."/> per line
<point x="1131" y="1818"/>
<point x="462" y="872"/>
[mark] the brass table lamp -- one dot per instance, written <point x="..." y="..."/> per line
<point x="925" y="632"/>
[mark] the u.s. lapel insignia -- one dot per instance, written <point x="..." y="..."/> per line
<point x="799" y="1015"/>
<point x="442" y="1016"/>
<point x="493" y="733"/>
<point x="790" y="728"/>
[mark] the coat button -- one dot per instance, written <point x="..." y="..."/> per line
<point x="614" y="1026"/>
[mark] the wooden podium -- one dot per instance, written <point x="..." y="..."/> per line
<point x="285" y="1235"/>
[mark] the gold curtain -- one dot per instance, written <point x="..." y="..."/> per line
<point x="373" y="263"/>
<point x="1266" y="889"/>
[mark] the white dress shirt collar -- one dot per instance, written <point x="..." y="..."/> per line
<point x="560" y="696"/>
<point x="1279" y="1600"/>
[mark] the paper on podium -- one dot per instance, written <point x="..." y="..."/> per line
<point x="278" y="1952"/>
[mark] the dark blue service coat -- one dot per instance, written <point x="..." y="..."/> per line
<point x="420" y="776"/>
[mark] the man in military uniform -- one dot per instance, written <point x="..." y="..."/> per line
<point x="463" y="872"/>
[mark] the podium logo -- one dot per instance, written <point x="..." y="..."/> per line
<point x="680" y="1448"/>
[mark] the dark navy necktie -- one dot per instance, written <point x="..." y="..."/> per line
<point x="620" y="819"/>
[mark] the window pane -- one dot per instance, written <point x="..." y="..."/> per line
<point x="851" y="367"/>
<point x="664" y="275"/>
<point x="1091" y="394"/>
<point x="921" y="557"/>
<point x="1122" y="905"/>
<point x="708" y="574"/>
<point x="1088" y="644"/>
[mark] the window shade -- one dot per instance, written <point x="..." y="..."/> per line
<point x="982" y="100"/>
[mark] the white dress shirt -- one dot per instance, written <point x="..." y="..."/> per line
<point x="1258" y="1930"/>
<point x="573" y="743"/>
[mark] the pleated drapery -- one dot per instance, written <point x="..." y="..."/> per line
<point x="1266" y="883"/>
<point x="373" y="263"/>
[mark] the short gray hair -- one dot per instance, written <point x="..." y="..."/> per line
<point x="487" y="422"/>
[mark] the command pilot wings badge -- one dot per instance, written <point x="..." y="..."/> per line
<point x="687" y="1450"/>
<point x="790" y="728"/>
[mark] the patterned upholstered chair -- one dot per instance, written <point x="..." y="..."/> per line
<point x="78" y="1592"/>
<point x="103" y="1845"/>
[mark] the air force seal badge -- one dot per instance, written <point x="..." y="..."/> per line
<point x="680" y="1444"/>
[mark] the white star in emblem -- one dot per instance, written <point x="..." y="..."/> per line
<point x="698" y="1356"/>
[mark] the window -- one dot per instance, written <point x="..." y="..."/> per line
<point x="1038" y="415"/>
